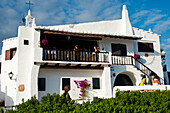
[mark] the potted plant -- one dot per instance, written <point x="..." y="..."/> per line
<point x="136" y="56"/>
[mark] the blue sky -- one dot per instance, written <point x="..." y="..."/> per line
<point x="144" y="14"/>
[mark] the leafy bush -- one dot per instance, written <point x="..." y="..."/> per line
<point x="125" y="102"/>
<point x="31" y="105"/>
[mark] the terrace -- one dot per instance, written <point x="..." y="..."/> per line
<point x="72" y="50"/>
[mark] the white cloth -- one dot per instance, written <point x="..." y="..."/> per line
<point x="155" y="84"/>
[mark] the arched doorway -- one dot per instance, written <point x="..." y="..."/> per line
<point x="123" y="80"/>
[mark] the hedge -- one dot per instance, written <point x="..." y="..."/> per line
<point x="125" y="102"/>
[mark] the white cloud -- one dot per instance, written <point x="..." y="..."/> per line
<point x="165" y="46"/>
<point x="167" y="40"/>
<point x="153" y="18"/>
<point x="147" y="16"/>
<point x="137" y="17"/>
<point x="162" y="26"/>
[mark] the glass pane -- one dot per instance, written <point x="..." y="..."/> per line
<point x="96" y="83"/>
<point x="119" y="49"/>
<point x="145" y="47"/>
<point x="41" y="84"/>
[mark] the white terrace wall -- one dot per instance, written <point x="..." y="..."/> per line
<point x="9" y="87"/>
<point x="140" y="88"/>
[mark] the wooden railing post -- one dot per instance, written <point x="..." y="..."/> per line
<point x="82" y="56"/>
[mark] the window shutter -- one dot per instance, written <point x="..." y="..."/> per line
<point x="7" y="55"/>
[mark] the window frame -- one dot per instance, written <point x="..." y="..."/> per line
<point x="121" y="49"/>
<point x="62" y="87"/>
<point x="26" y="42"/>
<point x="44" y="84"/>
<point x="10" y="53"/>
<point x="99" y="84"/>
<point x="148" y="49"/>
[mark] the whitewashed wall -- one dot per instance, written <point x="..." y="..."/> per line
<point x="105" y="44"/>
<point x="9" y="87"/>
<point x="130" y="71"/>
<point x="54" y="81"/>
<point x="25" y="62"/>
<point x="153" y="61"/>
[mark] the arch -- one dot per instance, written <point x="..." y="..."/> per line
<point x="123" y="80"/>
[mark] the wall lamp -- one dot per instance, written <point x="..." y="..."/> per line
<point x="11" y="76"/>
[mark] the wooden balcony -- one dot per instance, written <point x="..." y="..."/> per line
<point x="75" y="56"/>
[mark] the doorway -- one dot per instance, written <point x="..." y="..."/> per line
<point x="123" y="80"/>
<point x="119" y="50"/>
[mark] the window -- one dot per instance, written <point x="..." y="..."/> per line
<point x="41" y="84"/>
<point x="65" y="81"/>
<point x="26" y="42"/>
<point x="9" y="54"/>
<point x="96" y="83"/>
<point x="119" y="50"/>
<point x="145" y="47"/>
<point x="12" y="52"/>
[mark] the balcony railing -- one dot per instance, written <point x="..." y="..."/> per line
<point x="71" y="55"/>
<point x="130" y="60"/>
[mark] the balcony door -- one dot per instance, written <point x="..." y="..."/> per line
<point x="119" y="50"/>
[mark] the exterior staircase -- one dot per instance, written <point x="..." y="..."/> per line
<point x="130" y="60"/>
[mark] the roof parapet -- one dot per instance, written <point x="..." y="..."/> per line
<point x="9" y="39"/>
<point x="147" y="31"/>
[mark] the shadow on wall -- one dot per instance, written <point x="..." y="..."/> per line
<point x="2" y="98"/>
<point x="8" y="101"/>
<point x="5" y="100"/>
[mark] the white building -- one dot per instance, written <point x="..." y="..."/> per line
<point x="39" y="69"/>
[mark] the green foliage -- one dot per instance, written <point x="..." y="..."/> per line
<point x="125" y="102"/>
<point x="2" y="110"/>
<point x="31" y="105"/>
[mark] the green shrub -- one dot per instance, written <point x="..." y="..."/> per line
<point x="31" y="105"/>
<point x="125" y="102"/>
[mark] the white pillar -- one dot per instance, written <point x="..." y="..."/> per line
<point x="34" y="80"/>
<point x="106" y="82"/>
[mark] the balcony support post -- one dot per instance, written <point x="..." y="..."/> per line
<point x="106" y="82"/>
